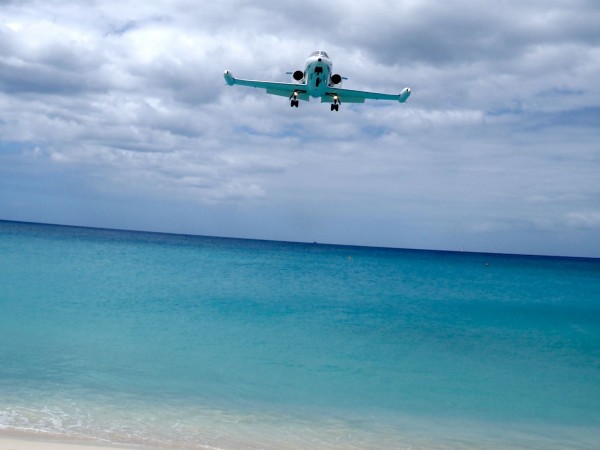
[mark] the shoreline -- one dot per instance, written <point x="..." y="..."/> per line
<point x="438" y="436"/>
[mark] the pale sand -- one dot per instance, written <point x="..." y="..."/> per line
<point x="20" y="444"/>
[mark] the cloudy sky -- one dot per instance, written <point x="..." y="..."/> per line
<point x="116" y="114"/>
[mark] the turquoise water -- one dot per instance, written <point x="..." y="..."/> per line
<point x="191" y="342"/>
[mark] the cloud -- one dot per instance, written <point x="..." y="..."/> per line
<point x="585" y="220"/>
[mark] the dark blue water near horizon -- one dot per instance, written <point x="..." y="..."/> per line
<point x="176" y="341"/>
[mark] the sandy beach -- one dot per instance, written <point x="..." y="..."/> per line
<point x="22" y="444"/>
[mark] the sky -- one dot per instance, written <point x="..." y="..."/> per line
<point x="116" y="114"/>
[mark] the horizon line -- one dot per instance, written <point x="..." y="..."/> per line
<point x="405" y="249"/>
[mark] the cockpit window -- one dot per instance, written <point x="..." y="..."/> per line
<point x="320" y="53"/>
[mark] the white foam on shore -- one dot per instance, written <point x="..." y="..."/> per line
<point x="125" y="421"/>
<point x="196" y="429"/>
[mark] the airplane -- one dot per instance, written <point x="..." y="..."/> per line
<point x="317" y="81"/>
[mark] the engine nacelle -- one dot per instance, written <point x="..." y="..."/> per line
<point x="336" y="80"/>
<point x="298" y="76"/>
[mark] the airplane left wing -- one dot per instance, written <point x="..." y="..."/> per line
<point x="352" y="96"/>
<point x="272" y="87"/>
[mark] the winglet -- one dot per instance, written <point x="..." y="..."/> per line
<point x="404" y="95"/>
<point x="229" y="78"/>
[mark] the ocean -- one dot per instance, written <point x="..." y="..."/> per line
<point x="187" y="342"/>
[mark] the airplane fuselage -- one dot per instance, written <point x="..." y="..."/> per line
<point x="317" y="75"/>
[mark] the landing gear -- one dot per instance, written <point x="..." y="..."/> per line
<point x="294" y="102"/>
<point x="335" y="106"/>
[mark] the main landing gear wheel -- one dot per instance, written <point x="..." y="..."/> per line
<point x="294" y="103"/>
<point x="335" y="106"/>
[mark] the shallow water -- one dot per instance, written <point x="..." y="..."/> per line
<point x="193" y="342"/>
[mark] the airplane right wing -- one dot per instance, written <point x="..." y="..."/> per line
<point x="352" y="96"/>
<point x="272" y="87"/>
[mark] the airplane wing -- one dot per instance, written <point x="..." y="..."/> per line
<point x="352" y="96"/>
<point x="272" y="87"/>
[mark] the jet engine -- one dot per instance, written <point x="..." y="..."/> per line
<point x="298" y="76"/>
<point x="336" y="80"/>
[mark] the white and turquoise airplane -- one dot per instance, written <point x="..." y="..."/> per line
<point x="318" y="81"/>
